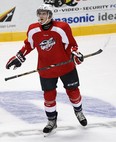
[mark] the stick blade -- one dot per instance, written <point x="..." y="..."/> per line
<point x="99" y="51"/>
<point x="94" y="53"/>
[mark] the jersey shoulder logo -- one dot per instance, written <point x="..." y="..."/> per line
<point x="47" y="44"/>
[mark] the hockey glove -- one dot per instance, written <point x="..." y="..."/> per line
<point x="77" y="57"/>
<point x="16" y="61"/>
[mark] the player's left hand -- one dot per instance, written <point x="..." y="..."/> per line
<point x="78" y="57"/>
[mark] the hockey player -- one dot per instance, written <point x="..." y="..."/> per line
<point x="55" y="44"/>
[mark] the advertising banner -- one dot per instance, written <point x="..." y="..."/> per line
<point x="16" y="15"/>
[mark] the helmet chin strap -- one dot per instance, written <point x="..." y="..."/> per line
<point x="45" y="21"/>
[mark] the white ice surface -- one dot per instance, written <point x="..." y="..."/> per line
<point x="97" y="78"/>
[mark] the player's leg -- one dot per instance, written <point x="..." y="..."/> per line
<point x="71" y="84"/>
<point x="49" y="88"/>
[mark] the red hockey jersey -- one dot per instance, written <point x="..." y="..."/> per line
<point x="53" y="46"/>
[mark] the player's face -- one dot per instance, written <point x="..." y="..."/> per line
<point x="43" y="16"/>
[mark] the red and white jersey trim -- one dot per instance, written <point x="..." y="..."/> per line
<point x="30" y="35"/>
<point x="62" y="34"/>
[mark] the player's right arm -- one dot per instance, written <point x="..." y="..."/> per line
<point x="19" y="58"/>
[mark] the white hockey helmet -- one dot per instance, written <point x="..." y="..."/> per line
<point x="46" y="7"/>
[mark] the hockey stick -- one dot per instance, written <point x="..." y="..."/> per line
<point x="51" y="66"/>
<point x="41" y="69"/>
<point x="94" y="53"/>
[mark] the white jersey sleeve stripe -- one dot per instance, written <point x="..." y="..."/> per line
<point x="62" y="34"/>
<point x="30" y="35"/>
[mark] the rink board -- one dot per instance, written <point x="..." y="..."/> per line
<point x="77" y="31"/>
